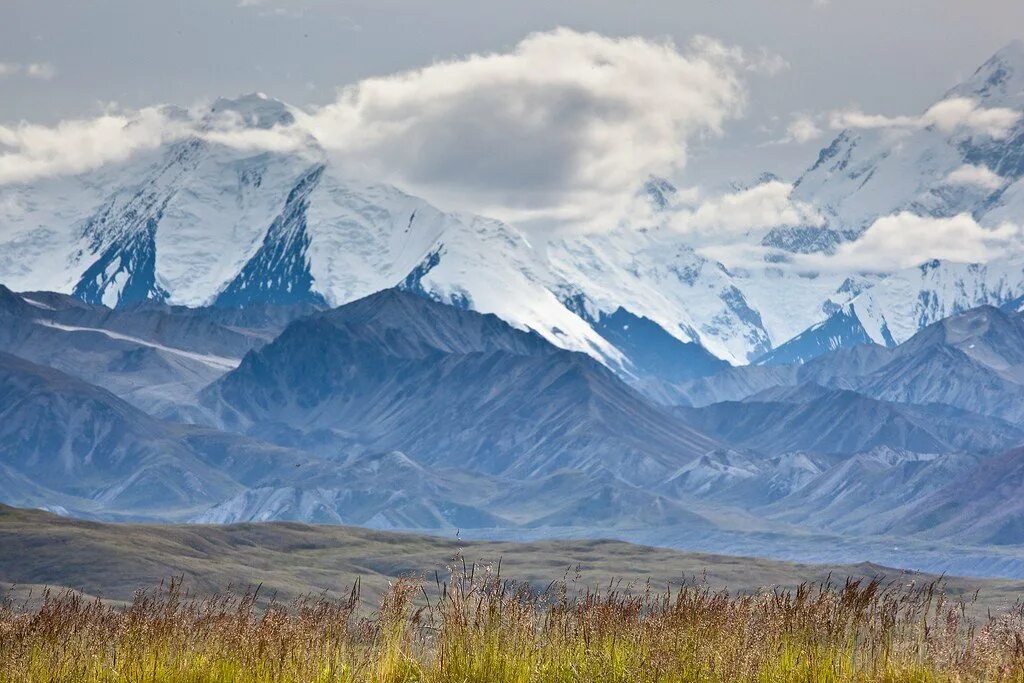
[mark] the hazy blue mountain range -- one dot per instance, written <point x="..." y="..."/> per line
<point x="206" y="334"/>
<point x="972" y="361"/>
<point x="396" y="371"/>
<point x="396" y="411"/>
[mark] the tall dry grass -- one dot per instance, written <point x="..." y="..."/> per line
<point x="479" y="627"/>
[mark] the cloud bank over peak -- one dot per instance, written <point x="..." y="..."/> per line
<point x="554" y="135"/>
<point x="976" y="176"/>
<point x="30" y="151"/>
<point x="954" y="114"/>
<point x="554" y="131"/>
<point x="722" y="218"/>
<point x="948" y="116"/>
<point x="557" y="129"/>
<point x="905" y="240"/>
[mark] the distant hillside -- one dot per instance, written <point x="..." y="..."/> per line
<point x="449" y="388"/>
<point x="287" y="559"/>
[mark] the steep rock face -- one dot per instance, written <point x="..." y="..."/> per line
<point x="806" y="239"/>
<point x="451" y="388"/>
<point x="122" y="235"/>
<point x="651" y="353"/>
<point x="278" y="273"/>
<point x="653" y="274"/>
<point x="842" y="330"/>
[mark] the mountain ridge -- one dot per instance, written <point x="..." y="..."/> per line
<point x="197" y="222"/>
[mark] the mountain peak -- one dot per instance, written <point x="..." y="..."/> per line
<point x="984" y="333"/>
<point x="751" y="183"/>
<point x="1011" y="53"/>
<point x="1001" y="76"/>
<point x="255" y="109"/>
<point x="659" y="191"/>
<point x="407" y="322"/>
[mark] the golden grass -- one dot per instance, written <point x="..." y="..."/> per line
<point x="477" y="626"/>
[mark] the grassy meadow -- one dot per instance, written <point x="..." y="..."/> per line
<point x="293" y="615"/>
<point x="477" y="626"/>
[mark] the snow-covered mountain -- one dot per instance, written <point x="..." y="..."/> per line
<point x="842" y="329"/>
<point x="926" y="169"/>
<point x="896" y="308"/>
<point x="201" y="222"/>
<point x="197" y="222"/>
<point x="864" y="174"/>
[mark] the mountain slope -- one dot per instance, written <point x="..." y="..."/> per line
<point x="871" y="492"/>
<point x="899" y="306"/>
<point x="815" y="419"/>
<point x="971" y="361"/>
<point x="92" y="451"/>
<point x="196" y="222"/>
<point x="75" y="448"/>
<point x="932" y="169"/>
<point x="984" y="507"/>
<point x="448" y="387"/>
<point x="154" y="356"/>
<point x="842" y="330"/>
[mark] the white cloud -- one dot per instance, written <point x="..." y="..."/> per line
<point x="559" y="128"/>
<point x="555" y="131"/>
<point x="803" y="129"/>
<point x="766" y="62"/>
<point x="41" y="70"/>
<point x="34" y="151"/>
<point x="857" y="119"/>
<point x="905" y="240"/>
<point x="953" y="113"/>
<point x="947" y="116"/>
<point x="231" y="129"/>
<point x="276" y="139"/>
<point x="978" y="176"/>
<point x="759" y="208"/>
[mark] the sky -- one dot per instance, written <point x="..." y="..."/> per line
<point x="73" y="59"/>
